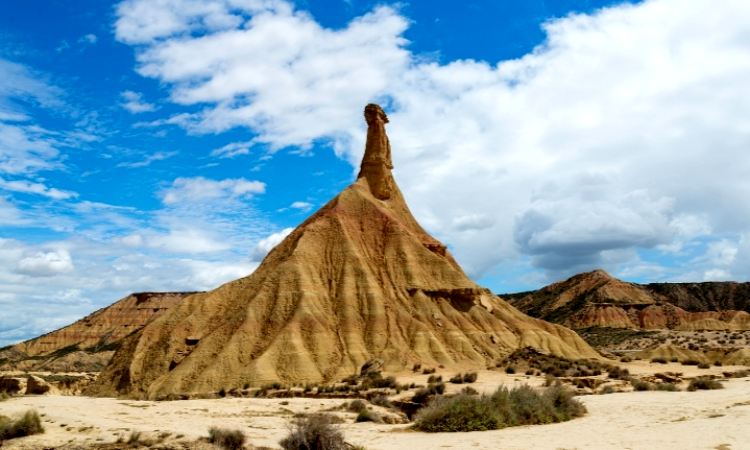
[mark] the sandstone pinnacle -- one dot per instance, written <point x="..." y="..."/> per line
<point x="359" y="280"/>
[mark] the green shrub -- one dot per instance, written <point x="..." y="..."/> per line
<point x="618" y="373"/>
<point x="460" y="413"/>
<point x="519" y="406"/>
<point x="227" y="439"/>
<point x="703" y="366"/>
<point x="470" y="377"/>
<point x="669" y="387"/>
<point x="368" y="416"/>
<point x="314" y="432"/>
<point x="639" y="385"/>
<point x="381" y="400"/>
<point x="28" y="424"/>
<point x="704" y="383"/>
<point x="690" y="362"/>
<point x="434" y="379"/>
<point x="424" y="394"/>
<point x="357" y="406"/>
<point x="659" y="360"/>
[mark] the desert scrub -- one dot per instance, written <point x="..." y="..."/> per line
<point x="669" y="387"/>
<point x="227" y="439"/>
<point x="640" y="385"/>
<point x="424" y="394"/>
<point x="28" y="424"/>
<point x="368" y="416"/>
<point x="704" y="383"/>
<point x="518" y="406"/>
<point x="314" y="432"/>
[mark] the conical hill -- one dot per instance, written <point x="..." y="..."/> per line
<point x="358" y="280"/>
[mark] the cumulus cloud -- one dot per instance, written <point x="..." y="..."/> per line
<point x="267" y="244"/>
<point x="201" y="189"/>
<point x="645" y="95"/>
<point x="302" y="206"/>
<point x="46" y="264"/>
<point x="232" y="150"/>
<point x="134" y="103"/>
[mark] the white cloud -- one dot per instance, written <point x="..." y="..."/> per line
<point x="46" y="264"/>
<point x="134" y="103"/>
<point x="267" y="244"/>
<point x="158" y="156"/>
<point x="87" y="39"/>
<point x="232" y="150"/>
<point x="201" y="189"/>
<point x="642" y="96"/>
<point x="302" y="206"/>
<point x="35" y="188"/>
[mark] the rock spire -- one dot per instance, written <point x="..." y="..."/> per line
<point x="376" y="164"/>
<point x="358" y="280"/>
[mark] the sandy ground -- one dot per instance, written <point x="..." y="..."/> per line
<point x="635" y="420"/>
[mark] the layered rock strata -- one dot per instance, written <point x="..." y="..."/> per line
<point x="358" y="280"/>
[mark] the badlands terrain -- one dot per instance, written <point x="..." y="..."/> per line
<point x="361" y="314"/>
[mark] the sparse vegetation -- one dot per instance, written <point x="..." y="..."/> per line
<point x="227" y="439"/>
<point x="640" y="385"/>
<point x="704" y="383"/>
<point x="518" y="406"/>
<point x="669" y="387"/>
<point x="314" y="432"/>
<point x="26" y="425"/>
<point x="368" y="416"/>
<point x="424" y="394"/>
<point x="606" y="336"/>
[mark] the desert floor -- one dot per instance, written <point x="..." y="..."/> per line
<point x="632" y="420"/>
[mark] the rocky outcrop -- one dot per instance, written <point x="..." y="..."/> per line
<point x="36" y="386"/>
<point x="359" y="280"/>
<point x="595" y="299"/>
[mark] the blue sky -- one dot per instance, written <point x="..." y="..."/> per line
<point x="169" y="144"/>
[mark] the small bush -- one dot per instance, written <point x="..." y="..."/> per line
<point x="424" y="394"/>
<point x="608" y="390"/>
<point x="368" y="416"/>
<point x="381" y="400"/>
<point x="669" y="387"/>
<point x="659" y="360"/>
<point x="428" y="371"/>
<point x="28" y="424"/>
<point x="357" y="406"/>
<point x="510" y="369"/>
<point x="435" y="379"/>
<point x="704" y="383"/>
<point x="639" y="385"/>
<point x="618" y="373"/>
<point x="626" y="359"/>
<point x="416" y="368"/>
<point x="470" y="377"/>
<point x="460" y="413"/>
<point x="457" y="379"/>
<point x="227" y="439"/>
<point x="703" y="366"/>
<point x="314" y="432"/>
<point x="468" y="390"/>
<point x="691" y="362"/>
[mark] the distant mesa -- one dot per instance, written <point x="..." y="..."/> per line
<point x="595" y="299"/>
<point x="359" y="280"/>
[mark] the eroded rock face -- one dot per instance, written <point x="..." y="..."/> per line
<point x="36" y="386"/>
<point x="358" y="281"/>
<point x="595" y="299"/>
<point x="107" y="325"/>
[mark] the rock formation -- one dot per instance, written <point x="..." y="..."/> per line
<point x="595" y="299"/>
<point x="87" y="344"/>
<point x="358" y="280"/>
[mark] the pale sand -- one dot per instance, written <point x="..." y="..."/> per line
<point x="634" y="420"/>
